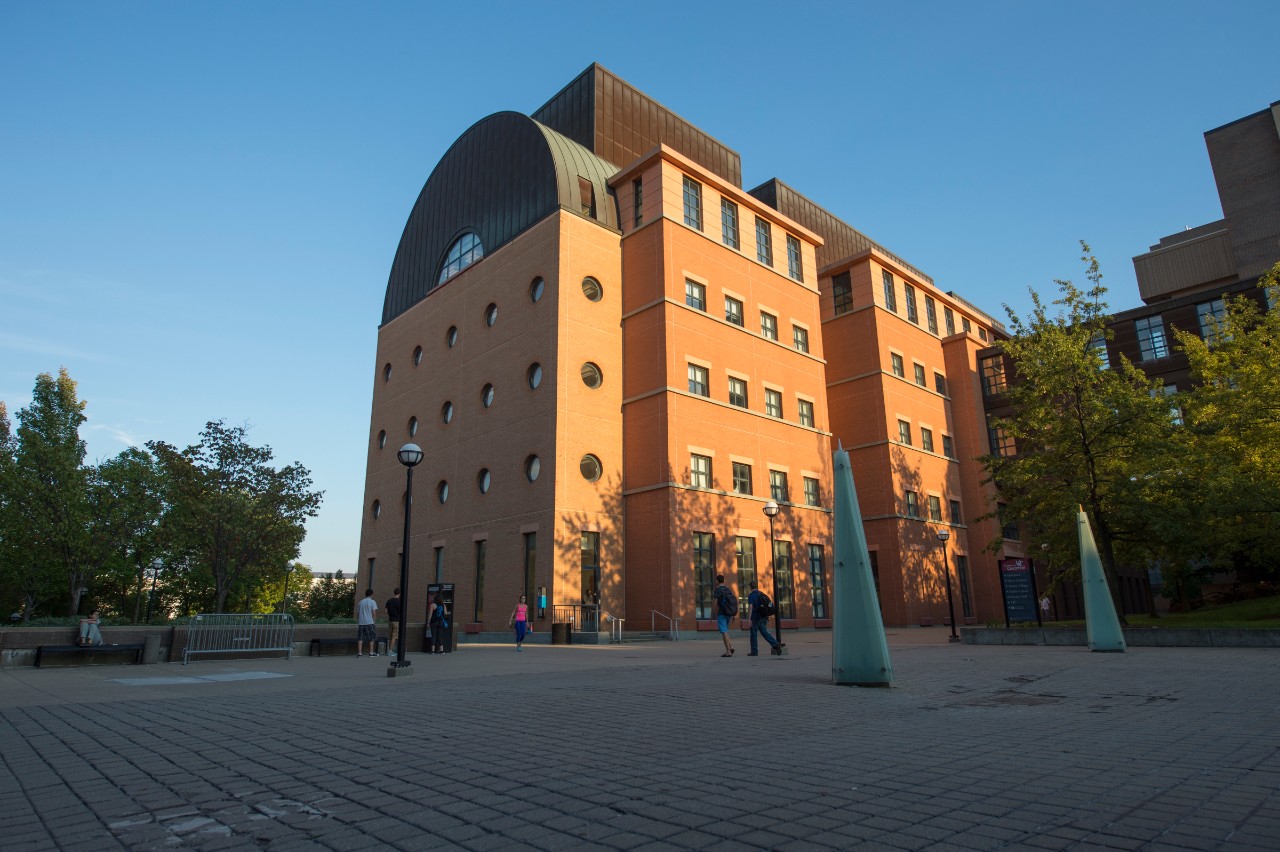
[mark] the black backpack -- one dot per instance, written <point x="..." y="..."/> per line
<point x="728" y="603"/>
<point x="764" y="606"/>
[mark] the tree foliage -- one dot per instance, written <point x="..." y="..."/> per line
<point x="332" y="596"/>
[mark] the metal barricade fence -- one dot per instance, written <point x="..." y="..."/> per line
<point x="237" y="633"/>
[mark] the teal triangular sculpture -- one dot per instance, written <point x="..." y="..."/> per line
<point x="1102" y="625"/>
<point x="859" y="650"/>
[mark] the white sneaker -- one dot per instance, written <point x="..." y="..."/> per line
<point x="374" y="654"/>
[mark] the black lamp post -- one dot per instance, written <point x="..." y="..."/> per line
<point x="155" y="573"/>
<point x="943" y="535"/>
<point x="284" y="601"/>
<point x="409" y="456"/>
<point x="771" y="510"/>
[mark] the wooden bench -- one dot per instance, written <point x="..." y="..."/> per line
<point x="135" y="647"/>
<point x="347" y="642"/>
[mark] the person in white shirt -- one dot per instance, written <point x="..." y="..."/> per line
<point x="366" y="613"/>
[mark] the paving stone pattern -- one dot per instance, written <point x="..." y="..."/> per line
<point x="653" y="746"/>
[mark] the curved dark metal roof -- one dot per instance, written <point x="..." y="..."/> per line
<point x="501" y="176"/>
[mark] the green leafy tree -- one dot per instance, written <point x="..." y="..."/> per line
<point x="233" y="520"/>
<point x="1084" y="431"/>
<point x="332" y="596"/>
<point x="126" y="496"/>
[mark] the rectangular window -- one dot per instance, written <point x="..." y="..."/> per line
<point x="955" y="511"/>
<point x="962" y="578"/>
<point x="695" y="295"/>
<point x="935" y="508"/>
<point x="741" y="478"/>
<point x="818" y="580"/>
<point x="692" y="203"/>
<point x="764" y="242"/>
<point x="372" y="563"/>
<point x="589" y="567"/>
<point x="1008" y="528"/>
<point x="795" y="265"/>
<point x="637" y="212"/>
<point x="805" y="408"/>
<point x="1001" y="443"/>
<point x="773" y="403"/>
<point x="745" y="557"/>
<point x="964" y="324"/>
<point x="890" y="298"/>
<point x="478" y="613"/>
<point x="931" y="314"/>
<point x="994" y="380"/>
<point x="950" y="320"/>
<point x="587" y="196"/>
<point x="920" y="380"/>
<point x="769" y="325"/>
<point x="729" y="223"/>
<point x="909" y="296"/>
<point x="982" y="333"/>
<point x="898" y="369"/>
<point x="1098" y="343"/>
<point x="904" y="432"/>
<point x="698" y="380"/>
<point x="1212" y="314"/>
<point x="913" y="504"/>
<point x="1151" y="339"/>
<point x="704" y="574"/>
<point x="778" y="486"/>
<point x="733" y="311"/>
<point x="1175" y="410"/>
<point x="782" y="579"/>
<point x="811" y="495"/>
<point x="948" y="448"/>
<point x="530" y="566"/>
<point x="439" y="562"/>
<point x="800" y="336"/>
<point x="940" y="383"/>
<point x="842" y="293"/>
<point x="926" y="438"/>
<point x="737" y="392"/>
<point x="699" y="471"/>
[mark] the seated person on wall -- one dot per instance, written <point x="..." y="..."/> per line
<point x="89" y="632"/>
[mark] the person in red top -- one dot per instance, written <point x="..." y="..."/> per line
<point x="520" y="620"/>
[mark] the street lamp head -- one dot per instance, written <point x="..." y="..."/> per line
<point x="771" y="508"/>
<point x="1045" y="547"/>
<point x="409" y="455"/>
<point x="943" y="535"/>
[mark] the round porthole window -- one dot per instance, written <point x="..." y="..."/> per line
<point x="483" y="480"/>
<point x="446" y="412"/>
<point x="491" y="315"/>
<point x="377" y="510"/>
<point x="417" y="356"/>
<point x="535" y="375"/>
<point x="386" y="372"/>
<point x="442" y="491"/>
<point x="591" y="375"/>
<point x="486" y="396"/>
<point x="590" y="467"/>
<point x="532" y="467"/>
<point x="451" y="336"/>
<point x="591" y="289"/>
<point x="536" y="289"/>
<point x="413" y="426"/>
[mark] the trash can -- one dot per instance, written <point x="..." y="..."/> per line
<point x="562" y="633"/>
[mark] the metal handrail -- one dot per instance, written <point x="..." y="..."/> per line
<point x="673" y="624"/>
<point x="615" y="627"/>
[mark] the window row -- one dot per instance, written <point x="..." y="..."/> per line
<point x="911" y="508"/>
<point x="730" y="233"/>
<point x="700" y="476"/>
<point x="695" y="296"/>
<point x="899" y="369"/>
<point x="700" y="385"/>
<point x="842" y="293"/>
<point x="744" y="553"/>
<point x="926" y="439"/>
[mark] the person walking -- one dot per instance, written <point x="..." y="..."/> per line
<point x="758" y="604"/>
<point x="726" y="608"/>
<point x="520" y="621"/>
<point x="366" y="615"/>
<point x="438" y="621"/>
<point x="393" y="622"/>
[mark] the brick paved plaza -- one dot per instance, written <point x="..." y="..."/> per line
<point x="624" y="747"/>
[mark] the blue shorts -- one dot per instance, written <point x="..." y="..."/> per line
<point x="722" y="622"/>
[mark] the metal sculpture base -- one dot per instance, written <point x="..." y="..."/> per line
<point x="400" y="669"/>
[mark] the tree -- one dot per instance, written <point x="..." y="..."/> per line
<point x="125" y="494"/>
<point x="1086" y="433"/>
<point x="232" y="519"/>
<point x="333" y="596"/>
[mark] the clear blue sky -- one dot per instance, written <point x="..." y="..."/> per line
<point x="200" y="202"/>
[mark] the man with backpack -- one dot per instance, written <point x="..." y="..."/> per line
<point x="726" y="603"/>
<point x="761" y="608"/>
